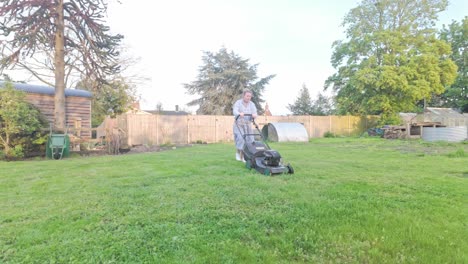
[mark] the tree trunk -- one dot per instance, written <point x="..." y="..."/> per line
<point x="59" y="61"/>
<point x="7" y="142"/>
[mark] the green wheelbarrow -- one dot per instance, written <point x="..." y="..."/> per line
<point x="58" y="146"/>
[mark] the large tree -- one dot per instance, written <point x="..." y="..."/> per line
<point x="391" y="58"/>
<point x="73" y="30"/>
<point x="456" y="34"/>
<point x="221" y="80"/>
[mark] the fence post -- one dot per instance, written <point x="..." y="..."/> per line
<point x="349" y="125"/>
<point x="216" y="129"/>
<point x="129" y="129"/>
<point x="157" y="129"/>
<point x="188" y="129"/>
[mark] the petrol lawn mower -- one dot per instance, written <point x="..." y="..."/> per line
<point x="257" y="153"/>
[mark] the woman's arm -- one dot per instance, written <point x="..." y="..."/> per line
<point x="235" y="108"/>
<point x="253" y="108"/>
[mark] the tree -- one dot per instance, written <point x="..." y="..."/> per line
<point x="303" y="103"/>
<point x="322" y="106"/>
<point x="221" y="80"/>
<point x="456" y="34"/>
<point x="391" y="59"/>
<point x="72" y="30"/>
<point x="159" y="107"/>
<point x="110" y="99"/>
<point x="17" y="119"/>
<point x="6" y="78"/>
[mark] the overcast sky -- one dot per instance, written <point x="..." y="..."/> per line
<point x="289" y="38"/>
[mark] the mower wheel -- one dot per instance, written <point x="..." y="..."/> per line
<point x="290" y="169"/>
<point x="248" y="164"/>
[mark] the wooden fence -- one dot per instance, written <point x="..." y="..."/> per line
<point x="145" y="129"/>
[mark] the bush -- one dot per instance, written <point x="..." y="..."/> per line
<point x="32" y="143"/>
<point x="15" y="153"/>
<point x="20" y="125"/>
<point x="329" y="134"/>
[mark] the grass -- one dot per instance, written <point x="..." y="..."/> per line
<point x="350" y="201"/>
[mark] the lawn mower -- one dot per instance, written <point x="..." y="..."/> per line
<point x="257" y="153"/>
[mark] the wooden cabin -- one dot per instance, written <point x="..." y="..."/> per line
<point x="77" y="105"/>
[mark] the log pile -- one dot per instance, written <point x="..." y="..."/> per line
<point x="394" y="132"/>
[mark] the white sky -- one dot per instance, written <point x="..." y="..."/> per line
<point x="289" y="38"/>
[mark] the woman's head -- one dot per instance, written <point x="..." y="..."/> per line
<point x="246" y="95"/>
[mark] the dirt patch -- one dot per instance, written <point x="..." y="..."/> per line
<point x="102" y="151"/>
<point x="145" y="148"/>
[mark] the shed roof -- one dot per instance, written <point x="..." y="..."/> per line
<point x="408" y="117"/>
<point x="42" y="89"/>
<point x="446" y="112"/>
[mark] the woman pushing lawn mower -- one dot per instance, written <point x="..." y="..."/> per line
<point x="242" y="124"/>
<point x="256" y="154"/>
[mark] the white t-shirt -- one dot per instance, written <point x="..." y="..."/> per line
<point x="240" y="107"/>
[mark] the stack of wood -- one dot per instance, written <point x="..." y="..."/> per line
<point x="394" y="132"/>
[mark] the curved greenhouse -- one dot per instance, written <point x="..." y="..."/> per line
<point x="282" y="132"/>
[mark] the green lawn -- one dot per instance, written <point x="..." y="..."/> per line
<point x="350" y="201"/>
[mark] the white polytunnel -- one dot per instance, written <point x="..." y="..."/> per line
<point x="282" y="132"/>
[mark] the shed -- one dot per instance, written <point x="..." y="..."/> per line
<point x="410" y="118"/>
<point x="446" y="116"/>
<point x="281" y="132"/>
<point x="77" y="104"/>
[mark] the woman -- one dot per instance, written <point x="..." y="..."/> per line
<point x="241" y="107"/>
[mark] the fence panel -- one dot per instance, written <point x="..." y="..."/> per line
<point x="201" y="129"/>
<point x="224" y="129"/>
<point x="172" y="129"/>
<point x="141" y="129"/>
<point x="319" y="125"/>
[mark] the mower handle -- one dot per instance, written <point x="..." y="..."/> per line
<point x="237" y="117"/>
<point x="253" y="119"/>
